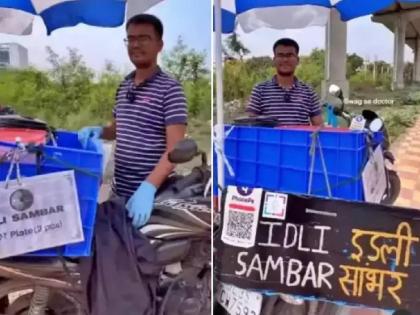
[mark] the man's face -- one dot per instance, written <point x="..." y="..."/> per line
<point x="285" y="60"/>
<point x="143" y="44"/>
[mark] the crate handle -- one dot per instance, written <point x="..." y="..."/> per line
<point x="218" y="148"/>
<point x="14" y="156"/>
<point x="41" y="154"/>
<point x="315" y="141"/>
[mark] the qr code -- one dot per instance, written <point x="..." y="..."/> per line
<point x="239" y="225"/>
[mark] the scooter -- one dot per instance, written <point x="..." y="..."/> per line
<point x="371" y="122"/>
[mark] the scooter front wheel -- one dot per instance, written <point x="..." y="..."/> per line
<point x="394" y="189"/>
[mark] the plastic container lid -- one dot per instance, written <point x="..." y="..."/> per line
<point x="23" y="135"/>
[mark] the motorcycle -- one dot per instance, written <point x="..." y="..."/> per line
<point x="180" y="231"/>
<point x="370" y="122"/>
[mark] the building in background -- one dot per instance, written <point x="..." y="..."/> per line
<point x="13" y="55"/>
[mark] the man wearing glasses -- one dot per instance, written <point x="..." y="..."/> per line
<point x="150" y="117"/>
<point x="284" y="97"/>
<point x="290" y="102"/>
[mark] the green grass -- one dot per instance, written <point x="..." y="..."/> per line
<point x="397" y="120"/>
<point x="200" y="131"/>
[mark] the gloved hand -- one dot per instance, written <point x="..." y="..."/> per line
<point x="140" y="204"/>
<point x="89" y="132"/>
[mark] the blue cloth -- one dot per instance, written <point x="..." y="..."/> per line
<point x="331" y="118"/>
<point x="84" y="134"/>
<point x="140" y="205"/>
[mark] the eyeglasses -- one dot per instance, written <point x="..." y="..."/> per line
<point x="140" y="40"/>
<point x="287" y="98"/>
<point x="286" y="55"/>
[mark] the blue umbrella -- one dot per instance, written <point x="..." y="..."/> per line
<point x="294" y="13"/>
<point x="16" y="16"/>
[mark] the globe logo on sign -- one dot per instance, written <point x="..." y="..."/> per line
<point x="244" y="191"/>
<point x="21" y="200"/>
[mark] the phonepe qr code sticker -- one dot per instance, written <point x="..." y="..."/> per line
<point x="241" y="213"/>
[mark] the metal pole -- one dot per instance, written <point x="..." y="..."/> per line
<point x="219" y="88"/>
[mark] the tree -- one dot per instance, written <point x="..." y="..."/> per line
<point x="175" y="61"/>
<point x="196" y="63"/>
<point x="183" y="63"/>
<point x="354" y="63"/>
<point x="317" y="56"/>
<point x="234" y="47"/>
<point x="311" y="68"/>
<point x="189" y="67"/>
<point x="68" y="70"/>
<point x="70" y="95"/>
<point x="258" y="64"/>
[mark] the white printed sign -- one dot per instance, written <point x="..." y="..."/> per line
<point x="41" y="213"/>
<point x="374" y="178"/>
<point x="240" y="221"/>
<point x="237" y="301"/>
<point x="358" y="123"/>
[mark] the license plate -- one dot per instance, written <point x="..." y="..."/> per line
<point x="237" y="301"/>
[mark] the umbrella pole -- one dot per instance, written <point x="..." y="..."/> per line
<point x="219" y="89"/>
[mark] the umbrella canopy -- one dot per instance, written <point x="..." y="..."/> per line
<point x="16" y="16"/>
<point x="281" y="14"/>
<point x="277" y="14"/>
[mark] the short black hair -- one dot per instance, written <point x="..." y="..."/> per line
<point x="286" y="42"/>
<point x="147" y="19"/>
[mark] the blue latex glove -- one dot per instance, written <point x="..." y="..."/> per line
<point x="140" y="204"/>
<point x="89" y="132"/>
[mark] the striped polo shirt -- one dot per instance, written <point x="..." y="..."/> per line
<point x="291" y="107"/>
<point x="142" y="113"/>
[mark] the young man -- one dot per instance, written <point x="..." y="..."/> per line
<point x="291" y="102"/>
<point x="284" y="97"/>
<point x="150" y="117"/>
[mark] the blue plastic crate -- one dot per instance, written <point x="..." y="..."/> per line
<point x="279" y="159"/>
<point x="68" y="154"/>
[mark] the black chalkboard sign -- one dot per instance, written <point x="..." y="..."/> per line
<point x="357" y="253"/>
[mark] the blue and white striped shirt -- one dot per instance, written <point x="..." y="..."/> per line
<point x="291" y="107"/>
<point x="142" y="113"/>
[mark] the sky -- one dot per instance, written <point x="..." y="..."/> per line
<point x="191" y="19"/>
<point x="97" y="45"/>
<point x="368" y="39"/>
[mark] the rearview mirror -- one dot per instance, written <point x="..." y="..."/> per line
<point x="335" y="90"/>
<point x="376" y="125"/>
<point x="184" y="151"/>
